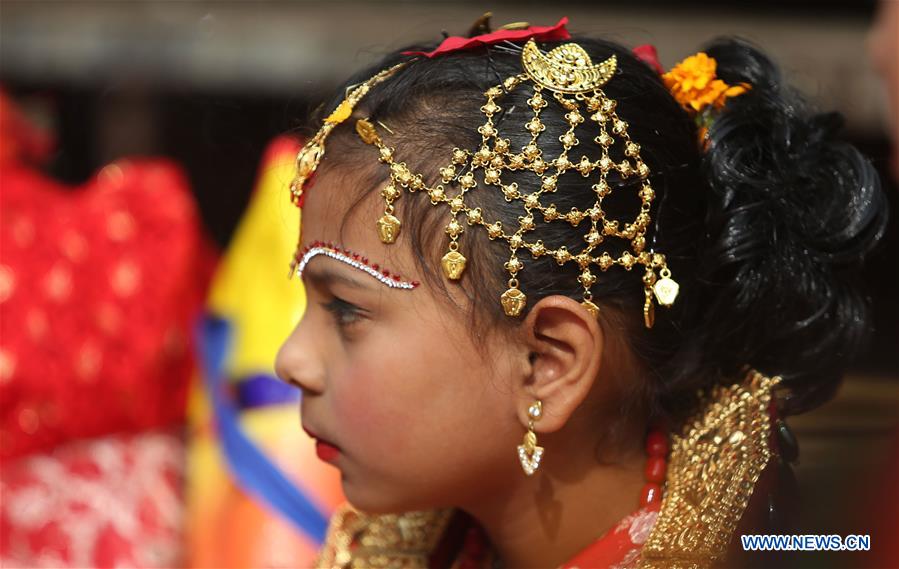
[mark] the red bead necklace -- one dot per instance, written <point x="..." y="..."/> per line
<point x="656" y="466"/>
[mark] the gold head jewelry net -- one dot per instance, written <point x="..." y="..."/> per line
<point x="564" y="76"/>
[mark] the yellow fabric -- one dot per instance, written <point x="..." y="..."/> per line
<point x="249" y="288"/>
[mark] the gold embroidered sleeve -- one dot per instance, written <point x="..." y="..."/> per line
<point x="714" y="465"/>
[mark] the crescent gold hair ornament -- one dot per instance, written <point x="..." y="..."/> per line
<point x="566" y="69"/>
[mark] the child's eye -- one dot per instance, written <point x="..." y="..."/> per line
<point x="345" y="314"/>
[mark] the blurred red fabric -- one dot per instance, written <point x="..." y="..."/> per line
<point x="100" y="288"/>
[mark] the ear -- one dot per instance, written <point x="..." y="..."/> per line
<point x="565" y="345"/>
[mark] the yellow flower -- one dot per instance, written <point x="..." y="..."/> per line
<point x="694" y="85"/>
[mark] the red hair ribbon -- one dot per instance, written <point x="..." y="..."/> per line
<point x="648" y="55"/>
<point x="459" y="43"/>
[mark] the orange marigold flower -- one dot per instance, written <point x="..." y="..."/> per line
<point x="695" y="86"/>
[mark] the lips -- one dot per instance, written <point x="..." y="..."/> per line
<point x="325" y="450"/>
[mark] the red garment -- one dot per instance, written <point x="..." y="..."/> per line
<point x="99" y="288"/>
<point x="107" y="502"/>
<point x="618" y="548"/>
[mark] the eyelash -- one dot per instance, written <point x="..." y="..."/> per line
<point x="341" y="311"/>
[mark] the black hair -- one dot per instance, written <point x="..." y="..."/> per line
<point x="764" y="228"/>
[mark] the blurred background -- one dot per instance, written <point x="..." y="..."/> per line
<point x="211" y="87"/>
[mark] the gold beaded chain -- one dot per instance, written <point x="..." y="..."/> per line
<point x="567" y="75"/>
<point x="494" y="156"/>
<point x="310" y="156"/>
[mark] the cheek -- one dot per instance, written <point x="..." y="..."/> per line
<point x="412" y="409"/>
<point x="378" y="399"/>
<point x="367" y="409"/>
<point x="409" y="402"/>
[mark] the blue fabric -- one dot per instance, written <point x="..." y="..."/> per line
<point x="262" y="390"/>
<point x="251" y="468"/>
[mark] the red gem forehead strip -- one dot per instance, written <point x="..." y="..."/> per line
<point x="355" y="260"/>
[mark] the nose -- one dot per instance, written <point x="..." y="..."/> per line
<point x="298" y="360"/>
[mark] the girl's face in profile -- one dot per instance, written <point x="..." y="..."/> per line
<point x="392" y="377"/>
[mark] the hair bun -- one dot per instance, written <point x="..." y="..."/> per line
<point x="791" y="213"/>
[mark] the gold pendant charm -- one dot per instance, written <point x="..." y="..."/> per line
<point x="513" y="301"/>
<point x="592" y="308"/>
<point x="367" y="132"/>
<point x="529" y="453"/>
<point x="665" y="288"/>
<point x="453" y="265"/>
<point x="308" y="160"/>
<point x="649" y="311"/>
<point x="388" y="228"/>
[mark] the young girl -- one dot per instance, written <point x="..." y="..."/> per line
<point x="559" y="303"/>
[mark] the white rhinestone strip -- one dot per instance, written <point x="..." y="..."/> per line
<point x="338" y="256"/>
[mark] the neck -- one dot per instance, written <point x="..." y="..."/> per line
<point x="546" y="519"/>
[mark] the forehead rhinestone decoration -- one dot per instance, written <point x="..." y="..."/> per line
<point x="354" y="260"/>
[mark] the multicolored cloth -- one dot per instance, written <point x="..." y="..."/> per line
<point x="258" y="496"/>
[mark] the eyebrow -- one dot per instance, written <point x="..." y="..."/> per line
<point x="355" y="260"/>
<point x="323" y="275"/>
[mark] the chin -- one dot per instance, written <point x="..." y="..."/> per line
<point x="376" y="505"/>
<point x="368" y="499"/>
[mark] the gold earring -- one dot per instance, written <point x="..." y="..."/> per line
<point x="528" y="452"/>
